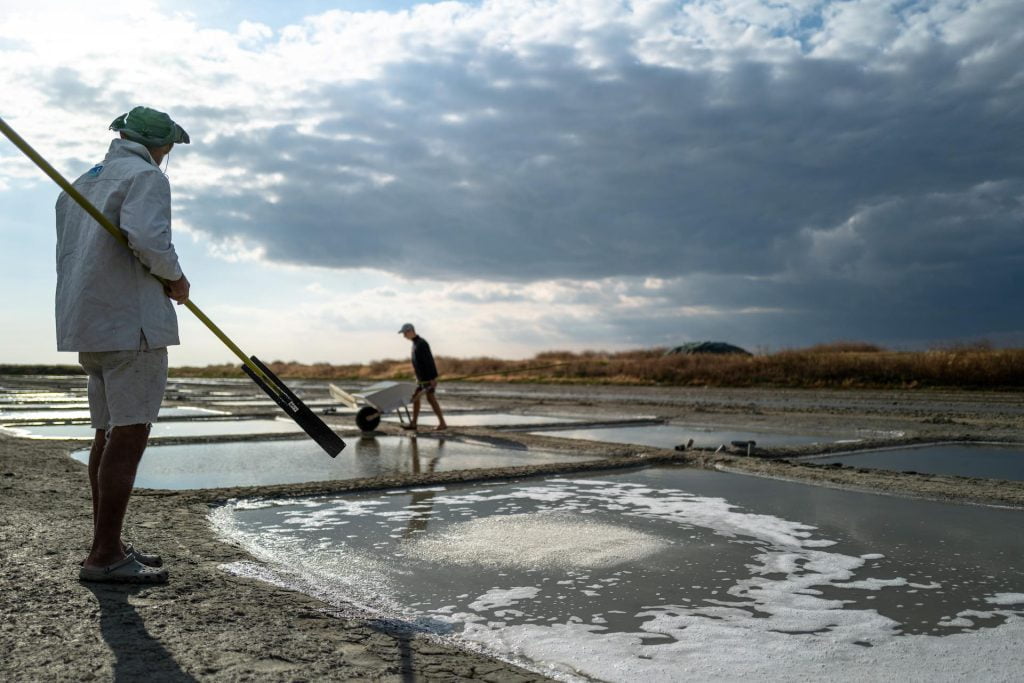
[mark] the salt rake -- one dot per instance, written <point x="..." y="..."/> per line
<point x="260" y="374"/>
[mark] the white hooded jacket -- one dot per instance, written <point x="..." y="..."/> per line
<point x="106" y="299"/>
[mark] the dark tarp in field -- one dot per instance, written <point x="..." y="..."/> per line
<point x="707" y="347"/>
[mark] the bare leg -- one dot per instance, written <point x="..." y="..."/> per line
<point x="95" y="457"/>
<point x="441" y="424"/>
<point x="99" y="442"/>
<point x="416" y="410"/>
<point x="115" y="476"/>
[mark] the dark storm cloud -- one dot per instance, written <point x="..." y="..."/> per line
<point x="581" y="178"/>
<point x="874" y="198"/>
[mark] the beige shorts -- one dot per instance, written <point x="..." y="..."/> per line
<point x="125" y="387"/>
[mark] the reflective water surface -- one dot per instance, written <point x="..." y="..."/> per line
<point x="967" y="460"/>
<point x="428" y="419"/>
<point x="255" y="463"/>
<point x="183" y="428"/>
<point x="32" y="397"/>
<point x="671" y="435"/>
<point x="667" y="573"/>
<point x="83" y="414"/>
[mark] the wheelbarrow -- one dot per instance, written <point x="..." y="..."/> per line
<point x="377" y="400"/>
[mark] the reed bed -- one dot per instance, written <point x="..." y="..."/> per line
<point x="841" y="365"/>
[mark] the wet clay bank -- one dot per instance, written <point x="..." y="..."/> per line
<point x="207" y="624"/>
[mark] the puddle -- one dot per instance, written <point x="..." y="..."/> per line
<point x="798" y="400"/>
<point x="671" y="435"/>
<point x="257" y="402"/>
<point x="967" y="460"/>
<point x="666" y="573"/>
<point x="255" y="463"/>
<point x="33" y="397"/>
<point x="171" y="411"/>
<point x="21" y="408"/>
<point x="428" y="419"/>
<point x="163" y="429"/>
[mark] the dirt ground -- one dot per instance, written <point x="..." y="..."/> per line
<point x="209" y="625"/>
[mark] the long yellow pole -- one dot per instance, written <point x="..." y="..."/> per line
<point x="49" y="170"/>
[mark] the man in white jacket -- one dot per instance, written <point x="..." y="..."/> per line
<point x="119" y="318"/>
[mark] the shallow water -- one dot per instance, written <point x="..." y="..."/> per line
<point x="257" y="463"/>
<point x="428" y="419"/>
<point x="671" y="435"/>
<point x="20" y="408"/>
<point x="166" y="429"/>
<point x="258" y="402"/>
<point x="34" y="397"/>
<point x="967" y="460"/>
<point x="79" y="414"/>
<point x="667" y="573"/>
<point x="799" y="400"/>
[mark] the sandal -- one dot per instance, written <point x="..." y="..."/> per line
<point x="143" y="558"/>
<point x="128" y="570"/>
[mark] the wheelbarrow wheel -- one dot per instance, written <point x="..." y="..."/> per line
<point x="367" y="418"/>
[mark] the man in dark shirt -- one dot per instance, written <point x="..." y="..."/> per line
<point x="426" y="377"/>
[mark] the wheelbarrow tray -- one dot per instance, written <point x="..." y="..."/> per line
<point x="388" y="396"/>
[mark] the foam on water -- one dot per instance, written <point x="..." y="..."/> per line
<point x="498" y="597"/>
<point x="782" y="608"/>
<point x="705" y="649"/>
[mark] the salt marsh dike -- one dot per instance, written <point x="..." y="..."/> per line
<point x="778" y="568"/>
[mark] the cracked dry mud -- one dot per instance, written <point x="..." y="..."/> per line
<point x="209" y="625"/>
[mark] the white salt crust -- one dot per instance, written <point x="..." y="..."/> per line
<point x="545" y="541"/>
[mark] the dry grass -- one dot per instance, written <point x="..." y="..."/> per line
<point x="840" y="365"/>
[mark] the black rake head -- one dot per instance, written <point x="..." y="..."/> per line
<point x="296" y="409"/>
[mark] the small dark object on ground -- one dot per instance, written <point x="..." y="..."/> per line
<point x="748" y="446"/>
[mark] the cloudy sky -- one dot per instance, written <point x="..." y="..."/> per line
<point x="522" y="175"/>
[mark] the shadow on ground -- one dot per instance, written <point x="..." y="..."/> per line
<point x="137" y="654"/>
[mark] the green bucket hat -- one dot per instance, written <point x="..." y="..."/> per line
<point x="149" y="127"/>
